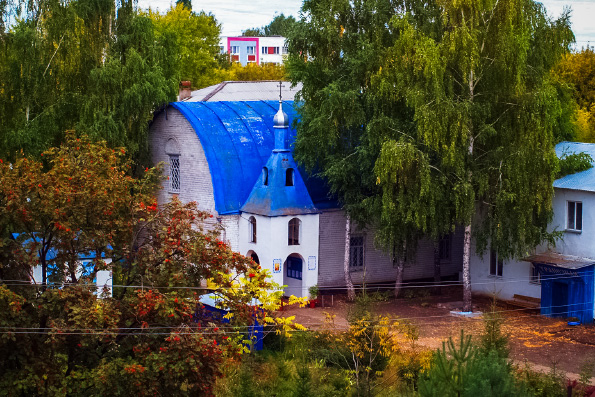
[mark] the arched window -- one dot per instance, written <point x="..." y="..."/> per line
<point x="254" y="257"/>
<point x="252" y="235"/>
<point x="294" y="232"/>
<point x="289" y="177"/>
<point x="265" y="176"/>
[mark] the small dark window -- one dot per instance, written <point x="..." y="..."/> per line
<point x="496" y="264"/>
<point x="252" y="236"/>
<point x="575" y="216"/>
<point x="254" y="257"/>
<point x="356" y="253"/>
<point x="265" y="176"/>
<point x="444" y="248"/>
<point x="294" y="232"/>
<point x="289" y="177"/>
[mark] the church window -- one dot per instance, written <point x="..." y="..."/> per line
<point x="294" y="232"/>
<point x="174" y="173"/>
<point x="289" y="177"/>
<point x="172" y="149"/>
<point x="356" y="252"/>
<point x="265" y="176"/>
<point x="252" y="222"/>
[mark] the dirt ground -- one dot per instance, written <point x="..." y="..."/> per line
<point x="539" y="341"/>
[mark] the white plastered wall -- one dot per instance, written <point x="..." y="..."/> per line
<point x="272" y="244"/>
<point x="516" y="273"/>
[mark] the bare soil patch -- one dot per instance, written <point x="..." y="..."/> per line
<point x="539" y="341"/>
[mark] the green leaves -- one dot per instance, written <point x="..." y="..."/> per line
<point x="84" y="67"/>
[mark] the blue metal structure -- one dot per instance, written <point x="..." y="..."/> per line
<point x="238" y="138"/>
<point x="567" y="291"/>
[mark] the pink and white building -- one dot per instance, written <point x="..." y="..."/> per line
<point x="258" y="50"/>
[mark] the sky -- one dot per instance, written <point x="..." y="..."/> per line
<point x="238" y="15"/>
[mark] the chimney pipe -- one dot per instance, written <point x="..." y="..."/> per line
<point x="185" y="90"/>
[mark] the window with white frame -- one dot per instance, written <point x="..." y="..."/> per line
<point x="285" y="49"/>
<point x="250" y="50"/>
<point x="574" y="220"/>
<point x="234" y="49"/>
<point x="496" y="264"/>
<point x="174" y="173"/>
<point x="252" y="229"/>
<point x="534" y="276"/>
<point x="356" y="252"/>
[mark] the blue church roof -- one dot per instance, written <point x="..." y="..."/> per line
<point x="238" y="138"/>
<point x="584" y="180"/>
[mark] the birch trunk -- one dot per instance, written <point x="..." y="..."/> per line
<point x="467" y="305"/>
<point x="347" y="273"/>
<point x="399" y="281"/>
<point x="400" y="262"/>
<point x="437" y="290"/>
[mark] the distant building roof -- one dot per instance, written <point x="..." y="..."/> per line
<point x="245" y="91"/>
<point x="560" y="260"/>
<point x="584" y="180"/>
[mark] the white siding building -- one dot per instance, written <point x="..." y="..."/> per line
<point x="561" y="276"/>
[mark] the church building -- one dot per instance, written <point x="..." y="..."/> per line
<point x="229" y="148"/>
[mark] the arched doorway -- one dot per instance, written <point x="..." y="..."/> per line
<point x="252" y="255"/>
<point x="292" y="275"/>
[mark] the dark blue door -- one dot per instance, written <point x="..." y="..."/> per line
<point x="560" y="299"/>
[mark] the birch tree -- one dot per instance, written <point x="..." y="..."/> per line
<point x="485" y="110"/>
<point x="335" y="51"/>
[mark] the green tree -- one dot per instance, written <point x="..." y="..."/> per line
<point x="344" y="122"/>
<point x="186" y="3"/>
<point x="64" y="337"/>
<point x="195" y="38"/>
<point x="447" y="111"/>
<point x="279" y="26"/>
<point x="81" y="64"/>
<point x="460" y="369"/>
<point x="578" y="70"/>
<point x="485" y="109"/>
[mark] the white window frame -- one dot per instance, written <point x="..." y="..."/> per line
<point x="175" y="177"/>
<point x="234" y="50"/>
<point x="574" y="221"/>
<point x="250" y="50"/>
<point x="360" y="250"/>
<point x="496" y="264"/>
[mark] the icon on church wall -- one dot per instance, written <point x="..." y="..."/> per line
<point x="276" y="265"/>
<point x="311" y="263"/>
